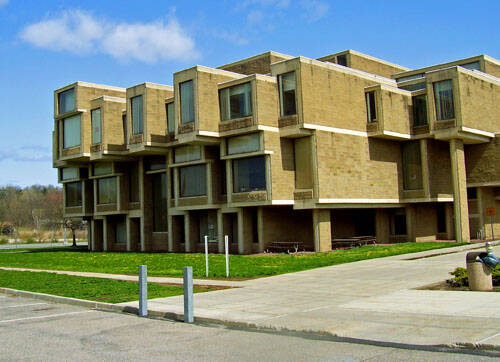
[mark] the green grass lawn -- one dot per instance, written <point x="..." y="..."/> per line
<point x="95" y="289"/>
<point x="165" y="264"/>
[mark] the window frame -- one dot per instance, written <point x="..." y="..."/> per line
<point x="234" y="174"/>
<point x="439" y="112"/>
<point x="225" y="97"/>
<point x="92" y="112"/>
<point x="79" y="201"/>
<point x="170" y="122"/>
<point x="79" y="116"/>
<point x="182" y="194"/>
<point x="113" y="200"/>
<point x="280" y="93"/>
<point x="371" y="100"/>
<point x="415" y="114"/>
<point x="133" y="120"/>
<point x="59" y="96"/>
<point x="190" y="81"/>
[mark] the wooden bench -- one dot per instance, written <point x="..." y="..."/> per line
<point x="284" y="246"/>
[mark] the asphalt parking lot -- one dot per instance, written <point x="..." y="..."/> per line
<point x="32" y="329"/>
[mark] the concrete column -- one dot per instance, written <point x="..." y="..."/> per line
<point x="220" y="232"/>
<point x="260" y="228"/>
<point x="244" y="231"/>
<point x="424" y="157"/>
<point x="129" y="234"/>
<point x="411" y="224"/>
<point x="322" y="230"/>
<point x="450" y="222"/>
<point x="170" y="234"/>
<point x="382" y="226"/>
<point x="191" y="232"/>
<point x="105" y="234"/>
<point x="458" y="177"/>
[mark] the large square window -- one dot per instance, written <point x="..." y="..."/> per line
<point x="287" y="89"/>
<point x="96" y="126"/>
<point x="249" y="174"/>
<point x="236" y="101"/>
<point x="71" y="131"/>
<point x="187" y="102"/>
<point x="193" y="180"/>
<point x="66" y="101"/>
<point x="443" y="98"/>
<point x="73" y="194"/>
<point x="106" y="190"/>
<point x="137" y="113"/>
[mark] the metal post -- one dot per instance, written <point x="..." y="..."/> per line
<point x="226" y="245"/>
<point x="143" y="290"/>
<point x="188" y="294"/>
<point x="206" y="256"/>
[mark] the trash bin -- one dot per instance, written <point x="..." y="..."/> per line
<point x="480" y="278"/>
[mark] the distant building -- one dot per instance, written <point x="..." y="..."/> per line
<point x="281" y="148"/>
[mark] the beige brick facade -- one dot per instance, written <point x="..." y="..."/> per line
<point x="282" y="149"/>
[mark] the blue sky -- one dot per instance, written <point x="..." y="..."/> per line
<point x="45" y="45"/>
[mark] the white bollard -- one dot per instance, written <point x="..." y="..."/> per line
<point x="188" y="295"/>
<point x="226" y="244"/>
<point x="143" y="290"/>
<point x="206" y="256"/>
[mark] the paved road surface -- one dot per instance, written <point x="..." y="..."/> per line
<point x="40" y="245"/>
<point x="35" y="330"/>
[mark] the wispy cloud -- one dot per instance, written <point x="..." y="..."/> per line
<point x="314" y="9"/>
<point x="81" y="33"/>
<point x="234" y="38"/>
<point x="3" y="2"/>
<point x="31" y="153"/>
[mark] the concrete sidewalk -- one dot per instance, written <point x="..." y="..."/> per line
<point x="372" y="300"/>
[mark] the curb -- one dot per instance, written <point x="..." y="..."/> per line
<point x="458" y="347"/>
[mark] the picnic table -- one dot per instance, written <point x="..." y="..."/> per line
<point x="353" y="242"/>
<point x="282" y="246"/>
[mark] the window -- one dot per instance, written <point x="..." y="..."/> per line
<point x="159" y="202"/>
<point x="472" y="66"/>
<point x="371" y="109"/>
<point x="236" y="102"/>
<point x="342" y="60"/>
<point x="187" y="102"/>
<point x="443" y="98"/>
<point x="125" y="129"/>
<point x="69" y="173"/>
<point x="420" y="110"/>
<point x="193" y="180"/>
<point x="137" y="124"/>
<point x="106" y="190"/>
<point x="287" y="87"/>
<point x="96" y="125"/>
<point x="73" y="194"/>
<point x="172" y="185"/>
<point x="102" y="168"/>
<point x="71" y="131"/>
<point x="242" y="144"/>
<point x="134" y="182"/>
<point x="412" y="167"/>
<point x="414" y="87"/>
<point x="187" y="153"/>
<point x="249" y="174"/>
<point x="66" y="101"/>
<point x="154" y="163"/>
<point x="170" y="117"/>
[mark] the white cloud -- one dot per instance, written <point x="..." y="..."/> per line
<point x="234" y="38"/>
<point x="32" y="153"/>
<point x="314" y="10"/>
<point x="3" y="2"/>
<point x="81" y="33"/>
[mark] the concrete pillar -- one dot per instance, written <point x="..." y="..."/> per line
<point x="260" y="228"/>
<point x="322" y="230"/>
<point x="91" y="235"/>
<point x="382" y="226"/>
<point x="458" y="178"/>
<point x="170" y="246"/>
<point x="129" y="234"/>
<point x="191" y="232"/>
<point x="244" y="231"/>
<point x="411" y="224"/>
<point x="220" y="232"/>
<point x="450" y="222"/>
<point x="105" y="234"/>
